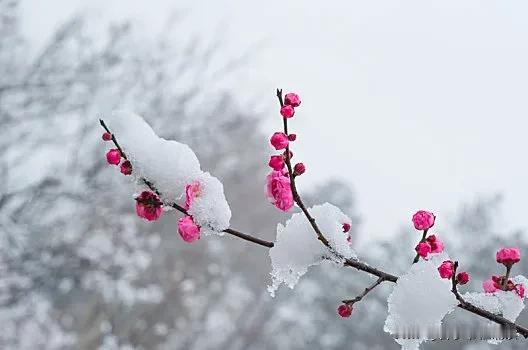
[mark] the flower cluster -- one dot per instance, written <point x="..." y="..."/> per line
<point x="508" y="257"/>
<point x="431" y="245"/>
<point x="278" y="182"/>
<point x="424" y="220"/>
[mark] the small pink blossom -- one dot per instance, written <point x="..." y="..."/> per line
<point x="188" y="230"/>
<point x="149" y="206"/>
<point x="113" y="156"/>
<point x="292" y="137"/>
<point x="292" y="99"/>
<point x="299" y="169"/>
<point x="287" y="111"/>
<point x="446" y="269"/>
<point x="346" y="227"/>
<point x="126" y="168"/>
<point x="519" y="289"/>
<point x="436" y="245"/>
<point x="107" y="136"/>
<point x="508" y="256"/>
<point x="423" y="249"/>
<point x="462" y="277"/>
<point x="489" y="286"/>
<point x="192" y="191"/>
<point x="279" y="191"/>
<point x="279" y="140"/>
<point x="344" y="310"/>
<point x="276" y="162"/>
<point x="423" y="220"/>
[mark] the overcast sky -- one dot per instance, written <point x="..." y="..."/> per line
<point x="417" y="104"/>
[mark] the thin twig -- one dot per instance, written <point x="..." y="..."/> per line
<point x="365" y="292"/>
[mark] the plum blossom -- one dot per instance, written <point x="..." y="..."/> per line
<point x="188" y="230"/>
<point x="299" y="169"/>
<point x="287" y="111"/>
<point x="279" y="191"/>
<point x="344" y="310"/>
<point x="446" y="269"/>
<point x="508" y="256"/>
<point x="126" y="168"/>
<point x="462" y="277"/>
<point x="423" y="249"/>
<point x="113" y="156"/>
<point x="292" y="99"/>
<point x="279" y="140"/>
<point x="192" y="191"/>
<point x="276" y="163"/>
<point x="436" y="245"/>
<point x="423" y="220"/>
<point x="489" y="286"/>
<point x="149" y="206"/>
<point x="107" y="136"/>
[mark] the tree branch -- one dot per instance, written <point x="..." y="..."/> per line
<point x="365" y="292"/>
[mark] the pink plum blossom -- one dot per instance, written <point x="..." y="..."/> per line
<point x="436" y="245"/>
<point x="292" y="99"/>
<point x="423" y="220"/>
<point x="508" y="256"/>
<point x="126" y="168"/>
<point x="346" y="227"/>
<point x="423" y="249"/>
<point x="107" y="136"/>
<point x="462" y="277"/>
<point x="344" y="310"/>
<point x="279" y="140"/>
<point x="489" y="286"/>
<point x="446" y="269"/>
<point x="149" y="206"/>
<point x="299" y="169"/>
<point x="113" y="156"/>
<point x="192" y="191"/>
<point x="188" y="230"/>
<point x="287" y="111"/>
<point x="276" y="162"/>
<point x="279" y="191"/>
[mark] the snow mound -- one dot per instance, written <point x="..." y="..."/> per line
<point x="419" y="301"/>
<point x="168" y="164"/>
<point x="297" y="246"/>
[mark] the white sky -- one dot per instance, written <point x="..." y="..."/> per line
<point x="417" y="103"/>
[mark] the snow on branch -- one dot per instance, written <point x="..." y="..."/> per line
<point x="168" y="176"/>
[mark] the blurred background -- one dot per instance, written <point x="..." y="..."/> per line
<point x="406" y="106"/>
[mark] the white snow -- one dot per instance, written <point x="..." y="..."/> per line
<point x="419" y="301"/>
<point x="170" y="166"/>
<point x="209" y="209"/>
<point x="297" y="246"/>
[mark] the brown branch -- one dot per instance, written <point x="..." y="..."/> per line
<point x="365" y="292"/>
<point x="353" y="263"/>
<point x="181" y="209"/>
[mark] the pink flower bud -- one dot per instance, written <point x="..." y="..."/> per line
<point x="278" y="190"/>
<point x="107" y="136"/>
<point x="344" y="310"/>
<point x="423" y="220"/>
<point x="188" y="230"/>
<point x="285" y="155"/>
<point x="192" y="191"/>
<point x="276" y="162"/>
<point x="423" y="249"/>
<point x="462" y="277"/>
<point x="446" y="269"/>
<point x="508" y="256"/>
<point x="299" y="169"/>
<point x="113" y="156"/>
<point x="126" y="168"/>
<point x="279" y="140"/>
<point x="436" y="245"/>
<point x="287" y="111"/>
<point x="292" y="99"/>
<point x="489" y="286"/>
<point x="346" y="227"/>
<point x="149" y="206"/>
<point x="292" y="137"/>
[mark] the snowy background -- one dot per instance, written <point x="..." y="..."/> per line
<point x="405" y="106"/>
